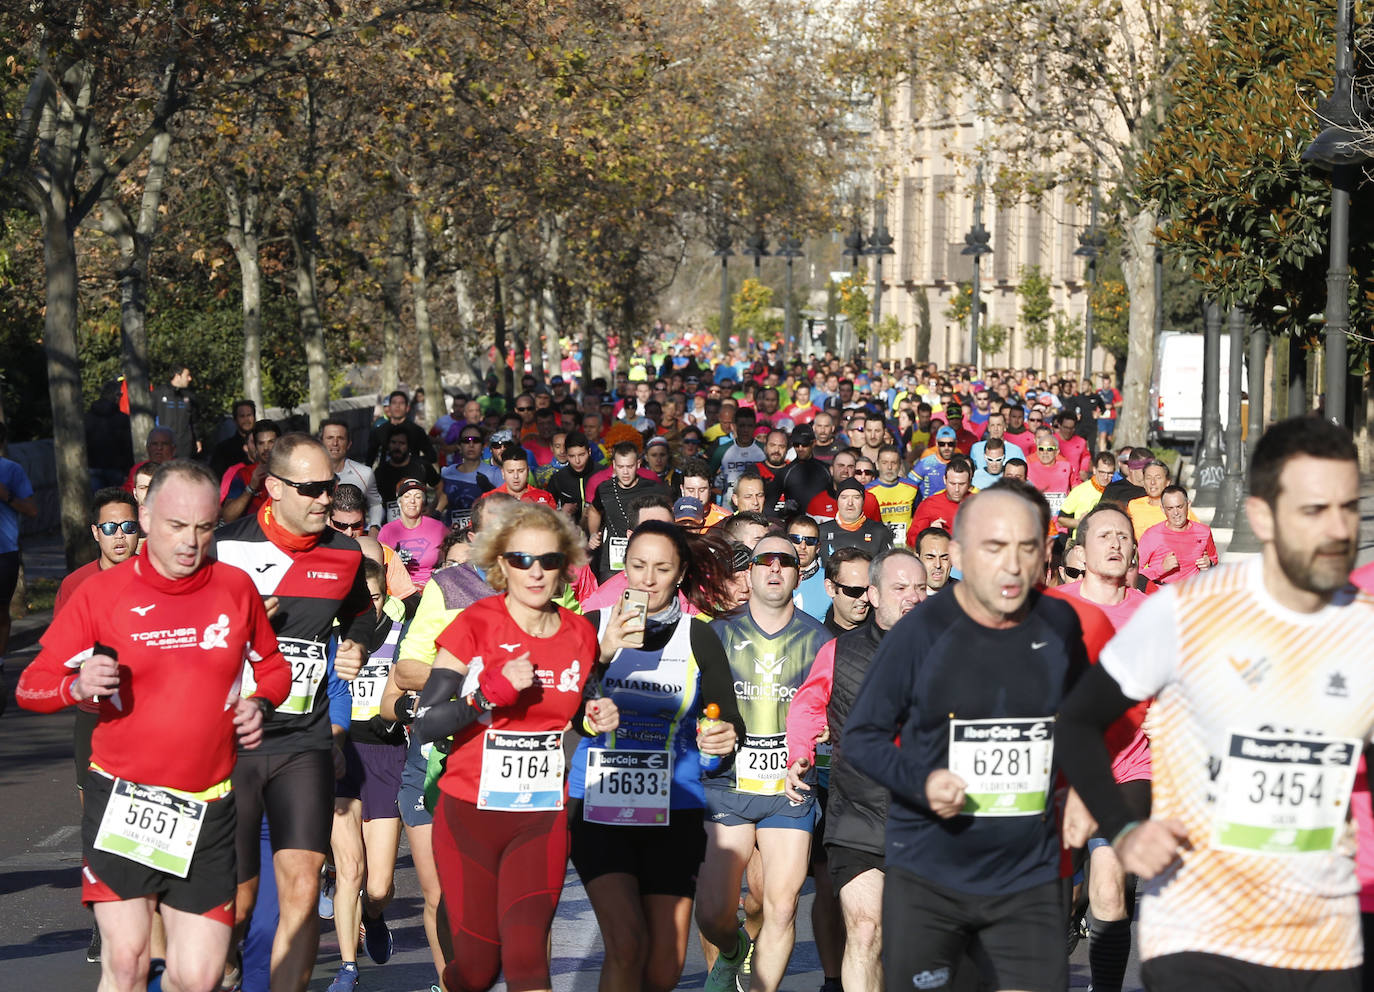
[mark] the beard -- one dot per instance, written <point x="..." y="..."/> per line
<point x="1302" y="567"/>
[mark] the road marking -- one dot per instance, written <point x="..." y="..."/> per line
<point x="58" y="836"/>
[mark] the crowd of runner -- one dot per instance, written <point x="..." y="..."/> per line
<point x="643" y="625"/>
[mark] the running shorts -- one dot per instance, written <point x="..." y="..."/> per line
<point x="664" y="860"/>
<point x="208" y="888"/>
<point x="1195" y="970"/>
<point x="296" y="791"/>
<point x="9" y="575"/>
<point x="1021" y="935"/>
<point x="731" y="808"/>
<point x="411" y="797"/>
<point x="848" y="863"/>
<point x="373" y="774"/>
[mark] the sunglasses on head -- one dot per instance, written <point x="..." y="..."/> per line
<point x="769" y="558"/>
<point x="810" y="540"/>
<point x="311" y="490"/>
<point x="1071" y="572"/>
<point x="853" y="592"/>
<point x="109" y="527"/>
<point x="522" y="560"/>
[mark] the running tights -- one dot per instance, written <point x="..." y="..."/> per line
<point x="501" y="874"/>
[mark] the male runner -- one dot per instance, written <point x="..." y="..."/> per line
<point x="896" y="496"/>
<point x="314" y="574"/>
<point x="160" y="645"/>
<point x="1263" y="701"/>
<point x="955" y="718"/>
<point x="850" y="528"/>
<point x="771" y="646"/>
<point x="334" y="437"/>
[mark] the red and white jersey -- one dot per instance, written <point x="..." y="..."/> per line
<point x="181" y="646"/>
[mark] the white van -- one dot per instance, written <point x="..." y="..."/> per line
<point x="1176" y="387"/>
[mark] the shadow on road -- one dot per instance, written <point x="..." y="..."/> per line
<point x="66" y="877"/>
<point x="56" y="942"/>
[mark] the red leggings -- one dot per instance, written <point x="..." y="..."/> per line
<point x="501" y="875"/>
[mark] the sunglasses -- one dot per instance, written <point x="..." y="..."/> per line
<point x="810" y="540"/>
<point x="1046" y="447"/>
<point x="767" y="559"/>
<point x="853" y="592"/>
<point x="863" y="471"/>
<point x="691" y="440"/>
<point x="802" y="444"/>
<point x="110" y="527"/>
<point x="311" y="490"/>
<point x="944" y="444"/>
<point x="347" y="524"/>
<point x="1035" y="420"/>
<point x="470" y="440"/>
<point x="523" y="560"/>
<point x="524" y="409"/>
<point x="1071" y="572"/>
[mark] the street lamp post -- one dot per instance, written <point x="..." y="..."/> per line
<point x="976" y="244"/>
<point x="879" y="244"/>
<point x="723" y="253"/>
<point x="1339" y="149"/>
<point x="789" y="248"/>
<point x="1090" y="245"/>
<point x="757" y="245"/>
<point x="1210" y="468"/>
<point x="854" y="250"/>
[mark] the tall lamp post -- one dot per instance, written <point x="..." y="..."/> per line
<point x="976" y="244"/>
<point x="723" y="253"/>
<point x="789" y="248"/>
<point x="1338" y="148"/>
<point x="757" y="246"/>
<point x="879" y="244"/>
<point x="1211" y="466"/>
<point x="1090" y="245"/>
<point x="854" y="250"/>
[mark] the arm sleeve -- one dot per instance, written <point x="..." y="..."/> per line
<point x="880" y="710"/>
<point x="1093" y="705"/>
<point x="717" y="682"/>
<point x="806" y="715"/>
<point x="440" y="714"/>
<point x="271" y="673"/>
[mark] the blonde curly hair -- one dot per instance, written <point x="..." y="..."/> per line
<point x="496" y="533"/>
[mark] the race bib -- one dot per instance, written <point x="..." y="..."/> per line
<point x="761" y="767"/>
<point x="522" y="771"/>
<point x="899" y="529"/>
<point x="393" y="510"/>
<point x="366" y="690"/>
<point x="1283" y="793"/>
<point x="308" y="662"/>
<point x="628" y="788"/>
<point x="823" y="751"/>
<point x="1004" y="762"/>
<point x="150" y="826"/>
<point x="1056" y="500"/>
<point x="618" y="545"/>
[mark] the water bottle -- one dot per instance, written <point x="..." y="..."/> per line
<point x="709" y="762"/>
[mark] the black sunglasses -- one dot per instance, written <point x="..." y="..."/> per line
<point x="810" y="540"/>
<point x="109" y="527"/>
<point x="311" y="490"/>
<point x="470" y="440"/>
<point x="691" y="440"/>
<point x="1071" y="572"/>
<point x="347" y="524"/>
<point x="769" y="558"/>
<point x="524" y="560"/>
<point x="853" y="592"/>
<point x="524" y="409"/>
<point x="863" y="471"/>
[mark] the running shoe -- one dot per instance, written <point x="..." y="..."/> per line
<point x="327" y="893"/>
<point x="346" y="980"/>
<point x="377" y="938"/>
<point x="723" y="972"/>
<point x="745" y="975"/>
<point x="832" y="985"/>
<point x="93" y="949"/>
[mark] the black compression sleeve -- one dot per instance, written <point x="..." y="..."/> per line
<point x="440" y="715"/>
<point x="717" y="684"/>
<point x="1095" y="702"/>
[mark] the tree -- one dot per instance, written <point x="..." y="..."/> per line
<point x="1068" y="336"/>
<point x="1037" y="307"/>
<point x="960" y="304"/>
<point x="992" y="338"/>
<point x="1067" y="93"/>
<point x="753" y="313"/>
<point x="856" y="306"/>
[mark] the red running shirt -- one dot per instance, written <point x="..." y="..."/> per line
<point x="485" y="634"/>
<point x="181" y="646"/>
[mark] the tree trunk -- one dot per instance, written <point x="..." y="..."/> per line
<point x="435" y="404"/>
<point x="243" y="237"/>
<point x="304" y="245"/>
<point x="469" y="370"/>
<point x="548" y="301"/>
<point x="534" y="326"/>
<point x="498" y="321"/>
<point x="393" y="280"/>
<point x="1138" y="268"/>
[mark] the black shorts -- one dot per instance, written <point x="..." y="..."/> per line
<point x="296" y="791"/>
<point x="207" y="889"/>
<point x="373" y="776"/>
<point x="1021" y="935"/>
<point x="9" y="576"/>
<point x="664" y="860"/>
<point x="1194" y="970"/>
<point x="818" y="854"/>
<point x="848" y="863"/>
<point x="82" y="728"/>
